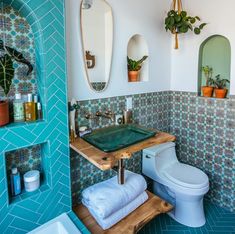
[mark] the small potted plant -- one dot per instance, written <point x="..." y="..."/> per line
<point x="207" y="90"/>
<point x="134" y="68"/>
<point x="7" y="71"/>
<point x="220" y="87"/>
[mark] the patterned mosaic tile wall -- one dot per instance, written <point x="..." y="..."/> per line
<point x="25" y="159"/>
<point x="150" y="110"/>
<point x="205" y="131"/>
<point x="98" y="86"/>
<point x="17" y="33"/>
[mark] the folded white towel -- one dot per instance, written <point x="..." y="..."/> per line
<point x="108" y="196"/>
<point x="120" y="214"/>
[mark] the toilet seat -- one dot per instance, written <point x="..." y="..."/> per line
<point x="186" y="176"/>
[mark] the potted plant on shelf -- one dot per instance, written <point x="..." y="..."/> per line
<point x="220" y="87"/>
<point x="7" y="56"/>
<point x="134" y="68"/>
<point x="207" y="90"/>
<point x="178" y="22"/>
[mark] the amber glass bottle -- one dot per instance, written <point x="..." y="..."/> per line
<point x="30" y="109"/>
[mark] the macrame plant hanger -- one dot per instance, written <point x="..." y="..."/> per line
<point x="176" y="6"/>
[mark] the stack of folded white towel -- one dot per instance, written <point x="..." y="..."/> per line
<point x="109" y="202"/>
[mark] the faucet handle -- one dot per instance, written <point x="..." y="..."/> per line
<point x="88" y="115"/>
<point x="98" y="113"/>
<point x="109" y="112"/>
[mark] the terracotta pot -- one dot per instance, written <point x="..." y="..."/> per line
<point x="4" y="113"/>
<point x="133" y="76"/>
<point x="207" y="91"/>
<point x="221" y="93"/>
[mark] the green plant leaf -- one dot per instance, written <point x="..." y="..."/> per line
<point x="198" y="18"/>
<point x="171" y="12"/>
<point x="178" y="18"/>
<point x="197" y="31"/>
<point x="202" y="25"/>
<point x="183" y="14"/>
<point x="135" y="65"/>
<point x="6" y="73"/>
<point x="172" y="21"/>
<point x="192" y="20"/>
<point x="19" y="58"/>
<point x="167" y="20"/>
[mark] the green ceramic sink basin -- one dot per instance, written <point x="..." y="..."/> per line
<point x="117" y="137"/>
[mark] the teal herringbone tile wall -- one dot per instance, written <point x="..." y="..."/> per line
<point x="46" y="19"/>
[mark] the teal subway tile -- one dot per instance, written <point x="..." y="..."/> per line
<point x="25" y="213"/>
<point x="29" y="203"/>
<point x="25" y="225"/>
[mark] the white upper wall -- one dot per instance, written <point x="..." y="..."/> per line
<point x="130" y="17"/>
<point x="169" y="69"/>
<point x="220" y="18"/>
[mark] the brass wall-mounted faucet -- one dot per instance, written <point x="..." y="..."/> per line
<point x="107" y="114"/>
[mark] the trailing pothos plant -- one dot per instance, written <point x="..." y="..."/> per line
<point x="178" y="22"/>
<point x="7" y="56"/>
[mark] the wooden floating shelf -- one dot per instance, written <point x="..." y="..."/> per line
<point x="132" y="223"/>
<point x="106" y="161"/>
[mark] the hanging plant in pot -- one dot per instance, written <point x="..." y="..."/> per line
<point x="134" y="68"/>
<point x="178" y="22"/>
<point x="220" y="87"/>
<point x="207" y="90"/>
<point x="7" y="56"/>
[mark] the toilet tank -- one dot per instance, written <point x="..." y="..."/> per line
<point x="156" y="158"/>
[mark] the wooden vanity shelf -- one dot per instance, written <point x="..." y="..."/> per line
<point x="132" y="223"/>
<point x="106" y="161"/>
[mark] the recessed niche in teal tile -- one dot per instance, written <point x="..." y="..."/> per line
<point x="26" y="159"/>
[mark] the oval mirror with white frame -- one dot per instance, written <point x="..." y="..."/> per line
<point x="97" y="36"/>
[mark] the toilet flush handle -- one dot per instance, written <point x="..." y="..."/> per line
<point x="147" y="157"/>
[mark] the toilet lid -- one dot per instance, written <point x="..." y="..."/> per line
<point x="186" y="176"/>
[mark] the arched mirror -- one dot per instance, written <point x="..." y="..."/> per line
<point x="97" y="36"/>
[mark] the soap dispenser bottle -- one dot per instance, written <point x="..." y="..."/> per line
<point x="18" y="108"/>
<point x="15" y="182"/>
<point x="30" y="109"/>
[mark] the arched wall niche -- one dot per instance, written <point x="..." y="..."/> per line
<point x="137" y="48"/>
<point x="27" y="12"/>
<point x="214" y="52"/>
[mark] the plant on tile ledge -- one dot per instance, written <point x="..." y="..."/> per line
<point x="134" y="68"/>
<point x="207" y="90"/>
<point x="178" y="22"/>
<point x="7" y="56"/>
<point x="220" y="87"/>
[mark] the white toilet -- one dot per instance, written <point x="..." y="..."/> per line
<point x="179" y="184"/>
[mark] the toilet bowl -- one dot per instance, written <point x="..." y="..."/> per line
<point x="182" y="185"/>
